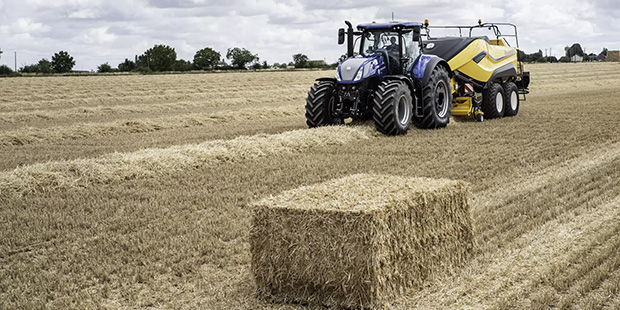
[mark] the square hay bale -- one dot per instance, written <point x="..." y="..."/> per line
<point x="359" y="241"/>
<point x="613" y="56"/>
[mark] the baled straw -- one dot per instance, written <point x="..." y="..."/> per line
<point x="358" y="241"/>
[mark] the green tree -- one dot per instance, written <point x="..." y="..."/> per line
<point x="256" y="66"/>
<point x="104" y="68"/>
<point x="126" y="66"/>
<point x="182" y="65"/>
<point x="265" y="65"/>
<point x="575" y="49"/>
<point x="241" y="57"/>
<point x="62" y="62"/>
<point x="45" y="66"/>
<point x="300" y="60"/>
<point x="158" y="58"/>
<point x="603" y="53"/>
<point x="206" y="58"/>
<point x="5" y="70"/>
<point x="34" y="68"/>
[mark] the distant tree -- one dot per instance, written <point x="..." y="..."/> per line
<point x="158" y="58"/>
<point x="62" y="62"/>
<point x="552" y="59"/>
<point x="604" y="52"/>
<point x="564" y="59"/>
<point x="206" y="58"/>
<point x="257" y="66"/>
<point x="536" y="56"/>
<point x="241" y="57"/>
<point x="575" y="49"/>
<point x="283" y="65"/>
<point x="182" y="65"/>
<point x="5" y="70"/>
<point x="265" y="65"/>
<point x="300" y="60"/>
<point x="126" y="66"/>
<point x="45" y="66"/>
<point x="276" y="65"/>
<point x="34" y="68"/>
<point x="103" y="68"/>
<point x="521" y="55"/>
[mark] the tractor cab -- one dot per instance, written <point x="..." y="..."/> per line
<point x="398" y="48"/>
<point x="385" y="49"/>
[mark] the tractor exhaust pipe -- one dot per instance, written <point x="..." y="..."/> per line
<point x="349" y="39"/>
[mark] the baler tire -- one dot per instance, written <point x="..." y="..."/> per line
<point x="392" y="108"/>
<point x="319" y="105"/>
<point x="436" y="101"/>
<point x="491" y="106"/>
<point x="511" y="101"/>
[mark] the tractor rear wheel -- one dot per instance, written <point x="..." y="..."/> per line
<point x="511" y="105"/>
<point x="493" y="101"/>
<point x="392" y="108"/>
<point x="320" y="105"/>
<point x="437" y="101"/>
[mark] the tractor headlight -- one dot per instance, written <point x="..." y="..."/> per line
<point x="359" y="75"/>
<point x="338" y="78"/>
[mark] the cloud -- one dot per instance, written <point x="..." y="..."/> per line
<point x="98" y="31"/>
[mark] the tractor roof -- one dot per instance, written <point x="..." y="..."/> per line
<point x="391" y="25"/>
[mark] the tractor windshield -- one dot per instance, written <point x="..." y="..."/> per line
<point x="387" y="41"/>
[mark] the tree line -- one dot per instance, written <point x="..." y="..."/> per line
<point x="570" y="52"/>
<point x="162" y="58"/>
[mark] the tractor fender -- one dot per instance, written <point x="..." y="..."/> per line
<point x="326" y="79"/>
<point x="403" y="78"/>
<point x="424" y="66"/>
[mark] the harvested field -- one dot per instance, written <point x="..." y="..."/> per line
<point x="80" y="228"/>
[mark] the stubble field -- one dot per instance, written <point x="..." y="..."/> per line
<point x="134" y="191"/>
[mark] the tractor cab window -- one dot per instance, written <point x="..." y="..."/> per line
<point x="377" y="41"/>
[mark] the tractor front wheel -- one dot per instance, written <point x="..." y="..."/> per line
<point x="493" y="101"/>
<point x="436" y="101"/>
<point x="320" y="105"/>
<point x="392" y="108"/>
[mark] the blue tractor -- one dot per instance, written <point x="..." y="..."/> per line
<point x="398" y="79"/>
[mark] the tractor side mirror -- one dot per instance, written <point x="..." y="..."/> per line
<point x="341" y="36"/>
<point x="416" y="34"/>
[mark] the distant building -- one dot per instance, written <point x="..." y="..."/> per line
<point x="613" y="56"/>
<point x="576" y="58"/>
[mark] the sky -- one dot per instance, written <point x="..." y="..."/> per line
<point x="100" y="31"/>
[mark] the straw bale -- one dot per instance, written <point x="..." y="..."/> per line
<point x="118" y="167"/>
<point x="359" y="241"/>
<point x="613" y="56"/>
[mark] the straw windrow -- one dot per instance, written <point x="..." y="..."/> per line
<point x="359" y="241"/>
<point x="117" y="167"/>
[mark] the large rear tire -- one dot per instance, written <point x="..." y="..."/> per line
<point x="320" y="105"/>
<point x="511" y="101"/>
<point x="392" y="108"/>
<point x="437" y="101"/>
<point x="493" y="101"/>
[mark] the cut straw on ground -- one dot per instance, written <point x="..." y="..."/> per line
<point x="113" y="168"/>
<point x="359" y="241"/>
<point x="54" y="134"/>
